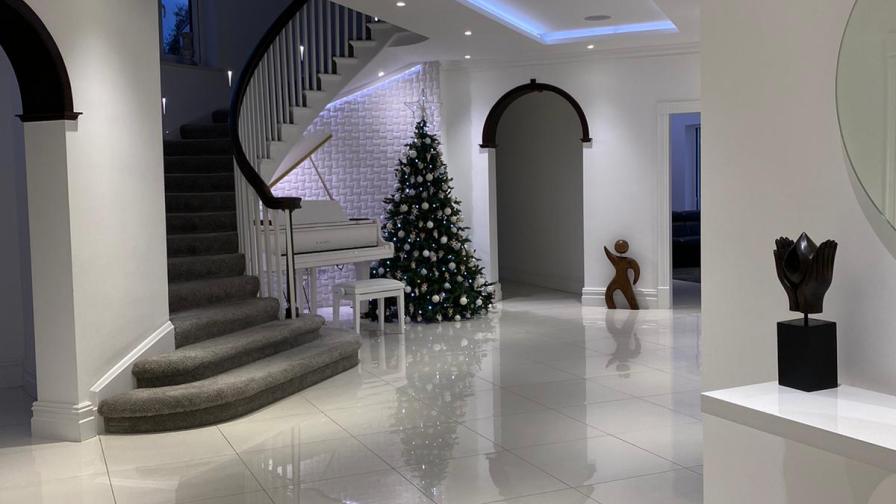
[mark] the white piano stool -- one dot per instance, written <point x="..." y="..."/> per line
<point x="366" y="290"/>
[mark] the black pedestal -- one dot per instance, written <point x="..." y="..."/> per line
<point x="807" y="355"/>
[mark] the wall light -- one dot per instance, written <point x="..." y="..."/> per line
<point x="302" y="52"/>
<point x="164" y="106"/>
<point x="229" y="78"/>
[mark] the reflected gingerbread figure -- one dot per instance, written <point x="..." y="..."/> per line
<point x="621" y="281"/>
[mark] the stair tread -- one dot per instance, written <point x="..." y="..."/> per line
<point x="209" y="291"/>
<point x="242" y="347"/>
<point x="207" y="322"/>
<point x="236" y="384"/>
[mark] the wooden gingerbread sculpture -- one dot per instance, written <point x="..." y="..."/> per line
<point x="621" y="281"/>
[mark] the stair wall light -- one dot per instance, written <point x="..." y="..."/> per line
<point x="229" y="78"/>
<point x="164" y="105"/>
<point x="302" y="52"/>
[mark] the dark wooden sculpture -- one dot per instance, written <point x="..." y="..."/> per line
<point x="806" y="271"/>
<point x="807" y="348"/>
<point x="621" y="280"/>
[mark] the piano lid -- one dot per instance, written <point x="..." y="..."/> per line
<point x="299" y="153"/>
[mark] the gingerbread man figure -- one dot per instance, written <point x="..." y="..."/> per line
<point x="621" y="281"/>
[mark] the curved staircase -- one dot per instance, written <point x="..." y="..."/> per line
<point x="233" y="353"/>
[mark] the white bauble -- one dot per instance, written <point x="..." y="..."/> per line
<point x="463" y="301"/>
<point x="452" y="266"/>
<point x="435" y="298"/>
<point x="460" y="278"/>
<point x="406" y="247"/>
<point x="407" y="288"/>
<point x="403" y="208"/>
<point x="423" y="271"/>
<point x="447" y="286"/>
<point x="430" y="225"/>
<point x="412" y="154"/>
<point x="479" y="302"/>
<point x="457" y="318"/>
<point x="416" y="253"/>
<point x="419" y="179"/>
<point x="443" y="240"/>
<point x="448" y="211"/>
<point x="425" y="206"/>
<point x="381" y="271"/>
<point x="439" y="317"/>
<point x="425" y="253"/>
<point x="427" y="141"/>
<point x="429" y="177"/>
<point x="401" y="234"/>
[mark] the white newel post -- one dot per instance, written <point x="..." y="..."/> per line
<point x="60" y="412"/>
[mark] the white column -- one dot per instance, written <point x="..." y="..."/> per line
<point x="484" y="222"/>
<point x="60" y="412"/>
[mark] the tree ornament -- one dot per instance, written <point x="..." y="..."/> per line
<point x="423" y="271"/>
<point x="381" y="271"/>
<point x="435" y="298"/>
<point x="403" y="208"/>
<point x="447" y="211"/>
<point x="424" y="205"/>
<point x="452" y="266"/>
<point x="401" y="234"/>
<point x="406" y="247"/>
<point x="407" y="288"/>
<point x="412" y="154"/>
<point x="457" y="318"/>
<point x="443" y="240"/>
<point x="430" y="224"/>
<point x="479" y="302"/>
<point x="419" y="179"/>
<point x="429" y="177"/>
<point x="425" y="253"/>
<point x="463" y="301"/>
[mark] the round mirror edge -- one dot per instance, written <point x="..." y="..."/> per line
<point x="877" y="219"/>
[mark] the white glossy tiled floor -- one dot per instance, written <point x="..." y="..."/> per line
<point x="543" y="401"/>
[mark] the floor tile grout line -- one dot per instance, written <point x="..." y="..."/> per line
<point x="242" y="461"/>
<point x="390" y="466"/>
<point x="108" y="472"/>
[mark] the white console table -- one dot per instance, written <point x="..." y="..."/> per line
<point x="775" y="445"/>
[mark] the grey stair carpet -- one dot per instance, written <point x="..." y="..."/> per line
<point x="232" y="353"/>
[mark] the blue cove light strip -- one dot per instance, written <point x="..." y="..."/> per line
<point x="529" y="28"/>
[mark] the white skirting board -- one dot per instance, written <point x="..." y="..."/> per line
<point x="119" y="379"/>
<point x="594" y="296"/>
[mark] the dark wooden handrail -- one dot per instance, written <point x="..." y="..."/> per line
<point x="236" y="104"/>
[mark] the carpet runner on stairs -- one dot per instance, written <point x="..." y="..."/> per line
<point x="233" y="354"/>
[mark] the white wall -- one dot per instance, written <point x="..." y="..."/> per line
<point x="539" y="189"/>
<point x="682" y="160"/>
<point x="17" y="335"/>
<point x="619" y="94"/>
<point x="773" y="164"/>
<point x="114" y="181"/>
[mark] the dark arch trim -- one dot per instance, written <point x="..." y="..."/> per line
<point x="490" y="130"/>
<point x="40" y="70"/>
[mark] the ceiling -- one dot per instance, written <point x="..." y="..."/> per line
<point x="495" y="38"/>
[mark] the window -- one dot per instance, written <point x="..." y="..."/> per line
<point x="177" y="22"/>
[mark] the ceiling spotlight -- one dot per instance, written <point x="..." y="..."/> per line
<point x="381" y="73"/>
<point x="598" y="17"/>
<point x="400" y="4"/>
<point x="468" y="33"/>
<point x="467" y="56"/>
<point x="590" y="46"/>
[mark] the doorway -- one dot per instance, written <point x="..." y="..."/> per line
<point x="684" y="194"/>
<point x="540" y="203"/>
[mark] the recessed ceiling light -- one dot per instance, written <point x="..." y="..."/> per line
<point x="598" y="17"/>
<point x="467" y="56"/>
<point x="381" y="73"/>
<point x="468" y="33"/>
<point x="590" y="46"/>
<point x="400" y="4"/>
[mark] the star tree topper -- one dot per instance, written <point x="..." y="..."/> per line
<point x="422" y="108"/>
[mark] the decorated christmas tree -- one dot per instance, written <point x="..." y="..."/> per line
<point x="433" y="254"/>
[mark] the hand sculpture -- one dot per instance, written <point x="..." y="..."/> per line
<point x="805" y="270"/>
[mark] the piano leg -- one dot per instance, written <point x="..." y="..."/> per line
<point x="357" y="314"/>
<point x="362" y="272"/>
<point x="312" y="286"/>
<point x="381" y="312"/>
<point x="401" y="312"/>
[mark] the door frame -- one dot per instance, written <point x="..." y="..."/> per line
<point x="664" y="196"/>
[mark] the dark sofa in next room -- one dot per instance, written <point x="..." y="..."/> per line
<point x="686" y="239"/>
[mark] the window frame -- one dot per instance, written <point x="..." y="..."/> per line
<point x="195" y="29"/>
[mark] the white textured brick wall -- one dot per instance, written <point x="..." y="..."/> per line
<point x="369" y="132"/>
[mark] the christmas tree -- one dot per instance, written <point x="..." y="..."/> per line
<point x="433" y="254"/>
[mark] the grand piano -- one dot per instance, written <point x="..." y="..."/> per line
<point x="323" y="235"/>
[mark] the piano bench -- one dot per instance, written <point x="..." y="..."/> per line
<point x="367" y="290"/>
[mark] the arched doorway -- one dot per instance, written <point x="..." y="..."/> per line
<point x="37" y="89"/>
<point x="534" y="136"/>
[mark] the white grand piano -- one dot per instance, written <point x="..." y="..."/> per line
<point x="323" y="235"/>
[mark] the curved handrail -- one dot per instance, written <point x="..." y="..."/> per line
<point x="236" y="104"/>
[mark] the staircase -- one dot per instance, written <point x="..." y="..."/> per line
<point x="233" y="353"/>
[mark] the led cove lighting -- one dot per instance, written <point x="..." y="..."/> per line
<point x="363" y="91"/>
<point x="493" y="9"/>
